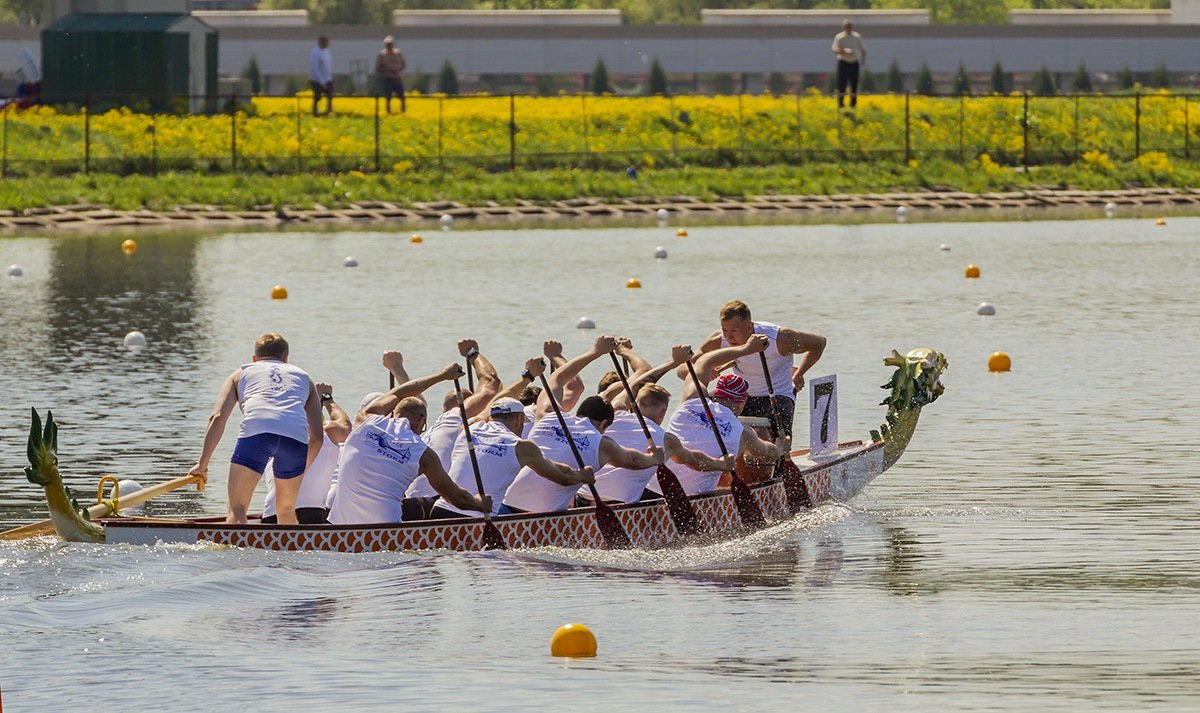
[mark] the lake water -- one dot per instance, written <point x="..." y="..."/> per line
<point x="1037" y="548"/>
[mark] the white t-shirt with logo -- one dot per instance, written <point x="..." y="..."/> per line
<point x="272" y="395"/>
<point x="622" y="484"/>
<point x="496" y="451"/>
<point x="380" y="459"/>
<point x="690" y="425"/>
<point x="440" y="437"/>
<point x="533" y="493"/>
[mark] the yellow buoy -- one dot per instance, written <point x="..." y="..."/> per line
<point x="129" y="247"/>
<point x="416" y="239"/>
<point x="1161" y="221"/>
<point x="681" y="233"/>
<point x="633" y="282"/>
<point x="999" y="361"/>
<point x="573" y="640"/>
<point x="972" y="271"/>
<point x="279" y="292"/>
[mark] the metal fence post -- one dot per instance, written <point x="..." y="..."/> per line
<point x="153" y="143"/>
<point x="587" y="149"/>
<point x="440" y="130"/>
<point x="961" y="111"/>
<point x="799" y="145"/>
<point x="512" y="132"/>
<point x="1187" y="129"/>
<point x="1137" y="125"/>
<point x="741" y="127"/>
<point x="1025" y="130"/>
<point x="907" y="130"/>
<point x="1075" y="153"/>
<point x="87" y="137"/>
<point x="377" y="133"/>
<point x="233" y="131"/>
<point x="4" y="160"/>
<point x="671" y="126"/>
<point x="299" y="139"/>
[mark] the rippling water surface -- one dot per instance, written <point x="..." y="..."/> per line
<point x="1037" y="548"/>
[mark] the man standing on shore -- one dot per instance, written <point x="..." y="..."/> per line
<point x="320" y="74"/>
<point x="851" y="55"/>
<point x="389" y="64"/>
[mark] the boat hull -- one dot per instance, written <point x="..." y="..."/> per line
<point x="648" y="523"/>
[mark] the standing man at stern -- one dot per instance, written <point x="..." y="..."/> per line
<point x="783" y="346"/>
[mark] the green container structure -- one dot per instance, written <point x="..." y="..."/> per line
<point x="161" y="61"/>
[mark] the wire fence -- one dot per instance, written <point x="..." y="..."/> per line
<point x="125" y="134"/>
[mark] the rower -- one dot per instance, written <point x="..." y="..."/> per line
<point x="281" y="424"/>
<point x="501" y="454"/>
<point x="727" y="399"/>
<point x="784" y="346"/>
<point x="445" y="430"/>
<point x="531" y="492"/>
<point x="318" y="479"/>
<point x="384" y="454"/>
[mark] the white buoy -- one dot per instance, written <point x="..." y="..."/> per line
<point x="15" y="271"/>
<point x="585" y="323"/>
<point x="902" y="214"/>
<point x="987" y="309"/>
<point x="1110" y="209"/>
<point x="447" y="222"/>
<point x="128" y="487"/>
<point x="662" y="215"/>
<point x="135" y="340"/>
<point x="944" y="248"/>
<point x="350" y="261"/>
<point x="660" y="253"/>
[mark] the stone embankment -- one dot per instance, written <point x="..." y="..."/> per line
<point x="928" y="204"/>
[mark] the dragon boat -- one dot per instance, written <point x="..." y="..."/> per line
<point x="836" y="476"/>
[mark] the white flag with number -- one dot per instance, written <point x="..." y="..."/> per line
<point x="822" y="414"/>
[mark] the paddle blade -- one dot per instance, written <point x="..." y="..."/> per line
<point x="747" y="506"/>
<point x="611" y="529"/>
<point x="492" y="539"/>
<point x="682" y="514"/>
<point x="794" y="487"/>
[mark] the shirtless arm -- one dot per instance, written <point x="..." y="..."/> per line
<point x="697" y="460"/>
<point x="536" y="367"/>
<point x="808" y="345"/>
<point x="529" y="455"/>
<point x="413" y="387"/>
<point x="338" y="426"/>
<point x="618" y="455"/>
<point x="226" y="400"/>
<point x="756" y="447"/>
<point x="570" y="371"/>
<point x="489" y="381"/>
<point x="625" y="351"/>
<point x="432" y="468"/>
<point x="394" y="362"/>
<point x="709" y="364"/>
<point x="615" y="394"/>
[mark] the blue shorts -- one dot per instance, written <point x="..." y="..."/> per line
<point x="290" y="455"/>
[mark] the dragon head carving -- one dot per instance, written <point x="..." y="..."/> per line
<point x="915" y="384"/>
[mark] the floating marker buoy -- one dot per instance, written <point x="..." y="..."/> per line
<point x="279" y="292"/>
<point x="15" y="271"/>
<point x="128" y="487"/>
<point x="971" y="271"/>
<point x="447" y="222"/>
<point x="660" y="253"/>
<point x="902" y="214"/>
<point x="416" y="239"/>
<point x="1110" y="209"/>
<point x="1161" y="221"/>
<point x="944" y="248"/>
<point x="129" y="247"/>
<point x="999" y="362"/>
<point x="135" y="340"/>
<point x="633" y="283"/>
<point x="585" y="323"/>
<point x="573" y="640"/>
<point x="681" y="233"/>
<point x="662" y="215"/>
<point x="987" y="309"/>
<point x="350" y="262"/>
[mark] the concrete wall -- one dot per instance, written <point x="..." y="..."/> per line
<point x="831" y="18"/>
<point x="1089" y="17"/>
<point x="255" y="18"/>
<point x="505" y="18"/>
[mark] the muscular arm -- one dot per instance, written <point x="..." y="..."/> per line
<point x="338" y="426"/>
<point x="756" y="447"/>
<point x="615" y="394"/>
<point x="226" y="400"/>
<point x="536" y="367"/>
<point x="528" y="454"/>
<point x="710" y="364"/>
<point x="618" y="455"/>
<point x="316" y="435"/>
<point x="697" y="460"/>
<point x="807" y="345"/>
<point x="413" y="387"/>
<point x="432" y="468"/>
<point x="570" y="371"/>
<point x="486" y="389"/>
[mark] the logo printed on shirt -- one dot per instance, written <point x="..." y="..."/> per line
<point x="699" y="418"/>
<point x="582" y="442"/>
<point x="387" y="450"/>
<point x="496" y="450"/>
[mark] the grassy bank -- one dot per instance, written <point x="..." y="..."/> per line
<point x="166" y="191"/>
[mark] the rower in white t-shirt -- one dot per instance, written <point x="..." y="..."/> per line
<point x="384" y="454"/>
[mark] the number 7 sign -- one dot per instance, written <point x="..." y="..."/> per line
<point x="822" y="414"/>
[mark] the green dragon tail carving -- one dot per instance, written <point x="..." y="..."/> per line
<point x="916" y="383"/>
<point x="70" y="520"/>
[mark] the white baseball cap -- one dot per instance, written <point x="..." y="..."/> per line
<point x="366" y="401"/>
<point x="506" y="405"/>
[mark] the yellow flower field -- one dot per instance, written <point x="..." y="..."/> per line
<point x="280" y="134"/>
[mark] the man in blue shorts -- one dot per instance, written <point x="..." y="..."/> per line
<point x="281" y="423"/>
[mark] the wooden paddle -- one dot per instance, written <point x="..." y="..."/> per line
<point x="611" y="529"/>
<point x="45" y="527"/>
<point x="492" y="539"/>
<point x="747" y="506"/>
<point x="794" y="486"/>
<point x="682" y="514"/>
